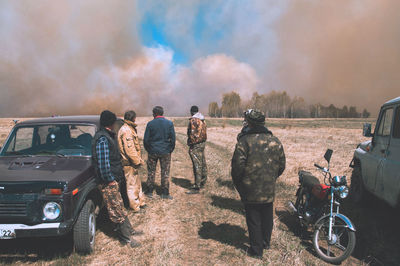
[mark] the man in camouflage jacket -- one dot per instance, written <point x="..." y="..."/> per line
<point x="197" y="136"/>
<point x="257" y="162"/>
<point x="129" y="147"/>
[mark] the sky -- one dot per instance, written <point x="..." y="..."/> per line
<point x="80" y="57"/>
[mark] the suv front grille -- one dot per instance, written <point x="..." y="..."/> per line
<point x="12" y="209"/>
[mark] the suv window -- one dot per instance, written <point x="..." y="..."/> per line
<point x="56" y="139"/>
<point x="386" y="123"/>
<point x="396" y="128"/>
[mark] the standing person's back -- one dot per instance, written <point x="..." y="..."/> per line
<point x="159" y="136"/>
<point x="197" y="137"/>
<point x="159" y="142"/>
<point x="129" y="147"/>
<point x="257" y="162"/>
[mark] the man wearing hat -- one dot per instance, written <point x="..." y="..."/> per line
<point x="107" y="162"/>
<point x="257" y="162"/>
<point x="130" y="150"/>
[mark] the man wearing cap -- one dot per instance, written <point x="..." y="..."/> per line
<point x="107" y="162"/>
<point x="159" y="142"/>
<point x="197" y="136"/>
<point x="257" y="162"/>
<point x="129" y="147"/>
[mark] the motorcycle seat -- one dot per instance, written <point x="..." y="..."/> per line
<point x="307" y="179"/>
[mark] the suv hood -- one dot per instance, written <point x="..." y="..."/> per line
<point x="42" y="168"/>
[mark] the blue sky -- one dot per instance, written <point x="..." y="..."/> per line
<point x="194" y="29"/>
<point x="152" y="34"/>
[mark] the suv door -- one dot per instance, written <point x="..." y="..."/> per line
<point x="373" y="163"/>
<point x="388" y="183"/>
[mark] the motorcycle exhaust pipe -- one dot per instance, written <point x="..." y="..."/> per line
<point x="292" y="209"/>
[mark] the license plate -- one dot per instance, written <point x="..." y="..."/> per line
<point x="7" y="233"/>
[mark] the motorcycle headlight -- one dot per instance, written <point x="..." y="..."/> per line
<point x="51" y="210"/>
<point x="343" y="192"/>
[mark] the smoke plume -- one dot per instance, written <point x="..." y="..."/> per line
<point x="80" y="57"/>
<point x="341" y="52"/>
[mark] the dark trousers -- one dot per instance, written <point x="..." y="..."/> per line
<point x="259" y="218"/>
<point x="165" y="164"/>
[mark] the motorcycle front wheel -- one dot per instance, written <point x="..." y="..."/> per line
<point x="341" y="244"/>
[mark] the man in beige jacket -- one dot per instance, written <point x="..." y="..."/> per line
<point x="129" y="147"/>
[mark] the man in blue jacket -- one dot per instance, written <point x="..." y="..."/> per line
<point x="159" y="142"/>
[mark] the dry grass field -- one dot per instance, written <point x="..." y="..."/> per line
<point x="209" y="228"/>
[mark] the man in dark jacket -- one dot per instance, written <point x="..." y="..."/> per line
<point x="159" y="142"/>
<point x="257" y="162"/>
<point x="107" y="162"/>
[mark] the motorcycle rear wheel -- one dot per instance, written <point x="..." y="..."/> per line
<point x="341" y="245"/>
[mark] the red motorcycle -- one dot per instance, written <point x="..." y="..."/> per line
<point x="317" y="205"/>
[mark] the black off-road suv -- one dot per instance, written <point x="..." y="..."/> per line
<point x="48" y="186"/>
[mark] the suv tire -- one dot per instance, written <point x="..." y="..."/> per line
<point x="357" y="190"/>
<point x="84" y="232"/>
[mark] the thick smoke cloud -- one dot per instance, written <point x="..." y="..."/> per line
<point x="77" y="57"/>
<point x="341" y="52"/>
<point x="50" y="48"/>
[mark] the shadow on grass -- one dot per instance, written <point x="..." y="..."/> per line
<point x="31" y="250"/>
<point x="182" y="182"/>
<point x="377" y="231"/>
<point x="225" y="183"/>
<point x="232" y="235"/>
<point x="293" y="224"/>
<point x="228" y="204"/>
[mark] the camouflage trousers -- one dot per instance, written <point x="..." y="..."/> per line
<point x="196" y="153"/>
<point x="113" y="202"/>
<point x="134" y="188"/>
<point x="165" y="164"/>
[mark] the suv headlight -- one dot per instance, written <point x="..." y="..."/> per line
<point x="51" y="210"/>
<point x="343" y="192"/>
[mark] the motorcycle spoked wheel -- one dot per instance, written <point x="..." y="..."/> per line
<point x="342" y="244"/>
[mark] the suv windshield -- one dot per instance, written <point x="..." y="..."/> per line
<point x="56" y="139"/>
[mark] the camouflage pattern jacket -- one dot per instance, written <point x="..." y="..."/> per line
<point x="257" y="162"/>
<point x="197" y="130"/>
<point x="128" y="142"/>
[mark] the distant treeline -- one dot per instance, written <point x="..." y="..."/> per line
<point x="280" y="105"/>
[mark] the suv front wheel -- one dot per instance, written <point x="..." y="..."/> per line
<point x="357" y="190"/>
<point x="85" y="229"/>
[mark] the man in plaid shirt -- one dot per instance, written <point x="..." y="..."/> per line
<point x="107" y="162"/>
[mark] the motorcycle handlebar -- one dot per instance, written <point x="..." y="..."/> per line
<point x="318" y="166"/>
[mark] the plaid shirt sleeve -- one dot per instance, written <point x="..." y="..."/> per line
<point x="103" y="155"/>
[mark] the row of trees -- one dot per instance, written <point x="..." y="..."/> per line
<point x="280" y="105"/>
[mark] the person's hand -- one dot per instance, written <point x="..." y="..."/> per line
<point x="141" y="161"/>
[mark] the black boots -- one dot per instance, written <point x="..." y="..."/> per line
<point x="131" y="230"/>
<point x="149" y="192"/>
<point x="165" y="194"/>
<point x="124" y="231"/>
<point x="194" y="190"/>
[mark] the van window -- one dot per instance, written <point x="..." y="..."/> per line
<point x="396" y="128"/>
<point x="386" y="123"/>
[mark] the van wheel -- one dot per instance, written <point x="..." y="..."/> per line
<point x="85" y="229"/>
<point x="357" y="190"/>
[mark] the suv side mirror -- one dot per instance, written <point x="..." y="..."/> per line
<point x="367" y="130"/>
<point x="328" y="155"/>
